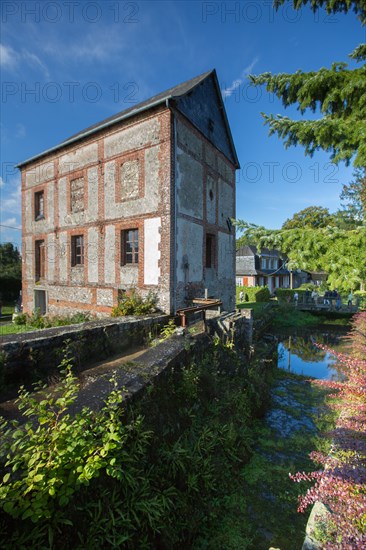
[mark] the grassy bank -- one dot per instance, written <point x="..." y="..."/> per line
<point x="286" y="315"/>
<point x="163" y="473"/>
<point x="283" y="441"/>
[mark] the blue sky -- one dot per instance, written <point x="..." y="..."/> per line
<point x="66" y="65"/>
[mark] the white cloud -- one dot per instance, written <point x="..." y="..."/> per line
<point x="34" y="61"/>
<point x="12" y="60"/>
<point x="8" y="57"/>
<point x="10" y="231"/>
<point x="10" y="211"/>
<point x="11" y="196"/>
<point x="101" y="44"/>
<point x="11" y="223"/>
<point x="227" y="92"/>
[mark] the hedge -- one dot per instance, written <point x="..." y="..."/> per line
<point x="253" y="293"/>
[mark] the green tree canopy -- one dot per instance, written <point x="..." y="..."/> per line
<point x="354" y="196"/>
<point x="337" y="92"/>
<point x="10" y="261"/>
<point x="332" y="6"/>
<point x="313" y="216"/>
<point x="339" y="252"/>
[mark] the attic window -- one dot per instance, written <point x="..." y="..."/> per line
<point x="210" y="125"/>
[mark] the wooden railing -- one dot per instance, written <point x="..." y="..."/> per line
<point x="201" y="304"/>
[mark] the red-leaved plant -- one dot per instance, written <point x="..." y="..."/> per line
<point x="341" y="483"/>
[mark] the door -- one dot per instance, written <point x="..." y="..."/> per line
<point x="40" y="301"/>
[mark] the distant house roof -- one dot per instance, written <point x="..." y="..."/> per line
<point x="245" y="265"/>
<point x="177" y="96"/>
<point x="246" y="251"/>
<point x="251" y="250"/>
<point x="266" y="272"/>
<point x="248" y="261"/>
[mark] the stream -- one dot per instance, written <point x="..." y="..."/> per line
<point x="298" y="354"/>
<point x="289" y="431"/>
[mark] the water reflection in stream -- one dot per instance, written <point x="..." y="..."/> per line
<point x="298" y="354"/>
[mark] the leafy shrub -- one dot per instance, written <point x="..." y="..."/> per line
<point x="311" y="287"/>
<point x="155" y="475"/>
<point x="340" y="484"/>
<point x="254" y="293"/>
<point x="166" y="332"/>
<point x="361" y="295"/>
<point x="38" y="321"/>
<point x="20" y="319"/>
<point x="53" y="455"/>
<point x="132" y="303"/>
<point x="285" y="294"/>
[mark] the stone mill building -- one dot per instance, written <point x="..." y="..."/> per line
<point x="143" y="199"/>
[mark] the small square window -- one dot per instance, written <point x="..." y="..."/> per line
<point x="130" y="247"/>
<point x="39" y="205"/>
<point x="77" y="250"/>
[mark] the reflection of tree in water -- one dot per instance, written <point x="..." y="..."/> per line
<point x="303" y="346"/>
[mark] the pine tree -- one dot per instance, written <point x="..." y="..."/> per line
<point x="338" y="92"/>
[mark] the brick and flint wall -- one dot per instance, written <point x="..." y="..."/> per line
<point x="154" y="172"/>
<point x="126" y="175"/>
<point x="205" y="205"/>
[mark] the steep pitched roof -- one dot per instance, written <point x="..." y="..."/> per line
<point x="245" y="265"/>
<point x="246" y="250"/>
<point x="174" y="92"/>
<point x="170" y="96"/>
<point x="248" y="261"/>
<point x="251" y="250"/>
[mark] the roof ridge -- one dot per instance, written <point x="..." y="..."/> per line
<point x="171" y="93"/>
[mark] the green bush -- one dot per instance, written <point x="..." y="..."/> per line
<point x="253" y="293"/>
<point x="287" y="294"/>
<point x="45" y="461"/>
<point x="132" y="303"/>
<point x="361" y="296"/>
<point x="20" y="319"/>
<point x="308" y="286"/>
<point x="157" y="474"/>
<point x="38" y="321"/>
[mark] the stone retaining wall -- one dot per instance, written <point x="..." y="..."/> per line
<point x="30" y="356"/>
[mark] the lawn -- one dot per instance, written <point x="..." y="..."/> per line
<point x="13" y="329"/>
<point x="7" y="309"/>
